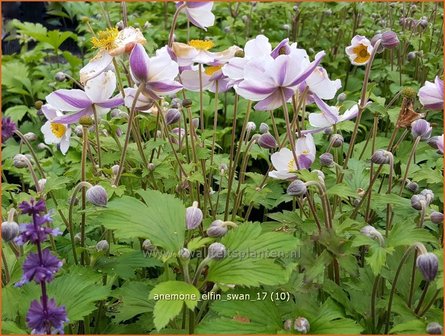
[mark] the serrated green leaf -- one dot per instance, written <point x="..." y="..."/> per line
<point x="133" y="298"/>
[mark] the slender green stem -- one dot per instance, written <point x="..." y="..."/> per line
<point x="408" y="163"/>
<point x="422" y="298"/>
<point x="373" y="302"/>
<point x="428" y="306"/>
<point x="175" y="19"/>
<point x="6" y="268"/>
<point x="290" y="137"/>
<point x="96" y="130"/>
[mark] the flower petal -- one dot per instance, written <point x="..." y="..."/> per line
<point x="101" y="87"/>
<point x="69" y="100"/>
<point x="73" y="117"/>
<point x="96" y="66"/>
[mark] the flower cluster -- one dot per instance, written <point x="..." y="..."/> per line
<point x="44" y="316"/>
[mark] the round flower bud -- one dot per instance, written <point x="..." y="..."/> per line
<point x="412" y="186"/>
<point x="187" y="102"/>
<point x="97" y="195"/>
<point x="217" y="229"/>
<point x="41" y="146"/>
<point x="411" y="56"/>
<point x="287" y="325"/>
<point x="434" y="328"/>
<point x="428" y="264"/>
<point x="328" y="131"/>
<point x="264" y="128"/>
<point x="337" y="140"/>
<point x="436" y="217"/>
<point x="176" y="103"/>
<point x="301" y="324"/>
<point x="78" y="131"/>
<point x="381" y="156"/>
<point x="286" y="26"/>
<point x="10" y="230"/>
<point x="326" y="159"/>
<point x="319" y="173"/>
<point x="390" y="40"/>
<point x="20" y="161"/>
<point x="423" y="23"/>
<point x="120" y="25"/>
<point x="41" y="183"/>
<point x="374" y="40"/>
<point x="115" y="170"/>
<point x="77" y="238"/>
<point x="147" y="246"/>
<point x="371" y="232"/>
<point x="267" y="141"/>
<point x="417" y="200"/>
<point x="328" y="12"/>
<point x="115" y="113"/>
<point x="341" y="97"/>
<point x="172" y="116"/>
<point x="193" y="216"/>
<point x="421" y="128"/>
<point x="239" y="53"/>
<point x="216" y="251"/>
<point x="38" y="104"/>
<point x="30" y="136"/>
<point x="86" y="121"/>
<point x="195" y="123"/>
<point x="429" y="195"/>
<point x="223" y="168"/>
<point x="123" y="115"/>
<point x="297" y="188"/>
<point x="250" y="127"/>
<point x="102" y="246"/>
<point x="60" y="76"/>
<point x="184" y="254"/>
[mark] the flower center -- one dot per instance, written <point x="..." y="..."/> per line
<point x="362" y="53"/>
<point x="105" y="39"/>
<point x="291" y="167"/>
<point x="210" y="70"/>
<point x="58" y="129"/>
<point x="201" y="44"/>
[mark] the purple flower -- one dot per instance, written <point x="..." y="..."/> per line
<point x="8" y="128"/>
<point x="31" y="207"/>
<point x="439" y="144"/>
<point x="39" y="271"/>
<point x="431" y="94"/>
<point x="266" y="78"/>
<point x="46" y="321"/>
<point x="157" y="73"/>
<point x="96" y="96"/>
<point x="199" y="13"/>
<point x="36" y="232"/>
<point x="421" y="128"/>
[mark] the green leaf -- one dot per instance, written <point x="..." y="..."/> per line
<point x="161" y="219"/>
<point x="133" y="300"/>
<point x="377" y="258"/>
<point x="179" y="292"/>
<point x="9" y="327"/>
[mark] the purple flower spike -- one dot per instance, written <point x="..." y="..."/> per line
<point x="46" y="321"/>
<point x="31" y="207"/>
<point x="38" y="271"/>
<point x="8" y="128"/>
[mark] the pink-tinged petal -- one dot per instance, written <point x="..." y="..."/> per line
<point x="101" y="87"/>
<point x="96" y="66"/>
<point x="200" y="15"/>
<point x="306" y="73"/>
<point x="305" y="161"/>
<point x="431" y="95"/>
<point x="320" y="84"/>
<point x="306" y="146"/>
<point x="257" y="47"/>
<point x="69" y="100"/>
<point x="164" y="88"/>
<point x="350" y="114"/>
<point x="49" y="112"/>
<point x="190" y="80"/>
<point x="253" y="90"/>
<point x="142" y="103"/>
<point x="274" y="100"/>
<point x="139" y="63"/>
<point x="330" y="112"/>
<point x="73" y="117"/>
<point x="112" y="102"/>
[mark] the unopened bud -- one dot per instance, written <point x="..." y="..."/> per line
<point x="195" y="123"/>
<point x="102" y="246"/>
<point x="287" y="325"/>
<point x="301" y="324"/>
<point x="217" y="229"/>
<point x="147" y="246"/>
<point x="30" y="136"/>
<point x="264" y="128"/>
<point x="216" y="251"/>
<point x="151" y="166"/>
<point x="326" y="159"/>
<point x="120" y="25"/>
<point x="41" y="183"/>
<point x="374" y="40"/>
<point x="436" y="217"/>
<point x="77" y="238"/>
<point x="184" y="254"/>
<point x="434" y="328"/>
<point x="172" y="116"/>
<point x="20" y="161"/>
<point x="78" y="131"/>
<point x="187" y="102"/>
<point x="337" y="140"/>
<point x="421" y="128"/>
<point x="297" y="188"/>
<point x="97" y="195"/>
<point x="417" y="201"/>
<point x="115" y="113"/>
<point x="428" y="264"/>
<point x="411" y="56"/>
<point x="86" y="121"/>
<point x="38" y="104"/>
<point x="341" y="97"/>
<point x="239" y="53"/>
<point x="390" y="40"/>
<point x="176" y="103"/>
<point x="60" y="76"/>
<point x="428" y="194"/>
<point x="10" y="230"/>
<point x="381" y="156"/>
<point x="371" y="232"/>
<point x="423" y="23"/>
<point x="42" y="146"/>
<point x="115" y="170"/>
<point x="267" y="141"/>
<point x="250" y="127"/>
<point x="193" y="216"/>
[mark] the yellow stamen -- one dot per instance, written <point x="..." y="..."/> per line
<point x="210" y="70"/>
<point x="58" y="129"/>
<point x="201" y="44"/>
<point x="105" y="39"/>
<point x="362" y="53"/>
<point x="291" y="167"/>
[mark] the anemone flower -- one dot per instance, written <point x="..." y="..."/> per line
<point x="211" y="77"/>
<point x="268" y="79"/>
<point x="359" y="52"/>
<point x="440" y="144"/>
<point x="53" y="132"/>
<point x="431" y="94"/>
<point x="284" y="162"/>
<point x="328" y="116"/>
<point x="110" y="43"/>
<point x="157" y="74"/>
<point x="199" y="13"/>
<point x="320" y="85"/>
<point x="96" y="96"/>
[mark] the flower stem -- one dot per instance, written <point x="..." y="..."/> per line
<point x="373" y="301"/>
<point x="175" y="19"/>
<point x="96" y="130"/>
<point x="288" y="128"/>
<point x="422" y="297"/>
<point x="83" y="179"/>
<point x="6" y="268"/>
<point x="408" y="163"/>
